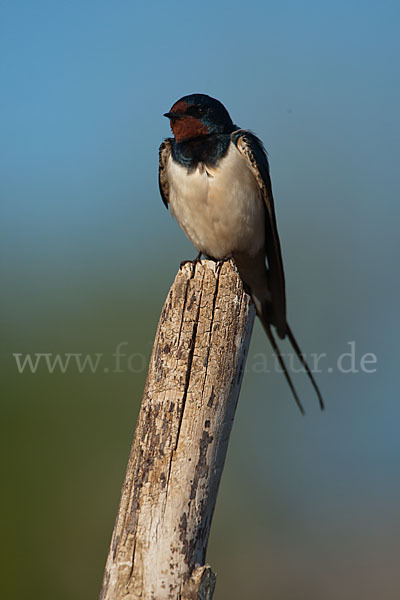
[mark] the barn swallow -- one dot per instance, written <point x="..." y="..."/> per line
<point x="215" y="177"/>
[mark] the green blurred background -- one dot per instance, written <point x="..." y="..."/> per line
<point x="308" y="507"/>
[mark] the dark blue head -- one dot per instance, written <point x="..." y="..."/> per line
<point x="198" y="114"/>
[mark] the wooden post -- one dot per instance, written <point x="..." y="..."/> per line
<point x="160" y="537"/>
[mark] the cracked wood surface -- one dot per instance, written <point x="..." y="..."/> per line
<point x="168" y="497"/>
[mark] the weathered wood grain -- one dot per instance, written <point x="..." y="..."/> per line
<point x="160" y="537"/>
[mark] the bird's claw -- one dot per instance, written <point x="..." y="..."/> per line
<point x="192" y="262"/>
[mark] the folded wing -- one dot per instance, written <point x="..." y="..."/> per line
<point x="253" y="151"/>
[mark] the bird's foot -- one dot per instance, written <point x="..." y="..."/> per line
<point x="192" y="262"/>
<point x="220" y="262"/>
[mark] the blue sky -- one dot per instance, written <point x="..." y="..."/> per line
<point x="85" y="84"/>
<point x="83" y="89"/>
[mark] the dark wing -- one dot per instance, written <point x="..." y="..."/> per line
<point x="163" y="156"/>
<point x="253" y="150"/>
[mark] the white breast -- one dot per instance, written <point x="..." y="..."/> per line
<point x="220" y="209"/>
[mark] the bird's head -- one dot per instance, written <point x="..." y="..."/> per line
<point x="196" y="115"/>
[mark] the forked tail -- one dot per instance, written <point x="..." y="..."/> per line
<point x="255" y="276"/>
<point x="301" y="358"/>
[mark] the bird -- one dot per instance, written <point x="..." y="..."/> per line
<point x="215" y="178"/>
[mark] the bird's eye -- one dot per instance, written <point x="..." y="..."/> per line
<point x="195" y="111"/>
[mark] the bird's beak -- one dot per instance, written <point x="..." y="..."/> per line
<point x="173" y="115"/>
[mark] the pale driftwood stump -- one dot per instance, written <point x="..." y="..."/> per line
<point x="160" y="537"/>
